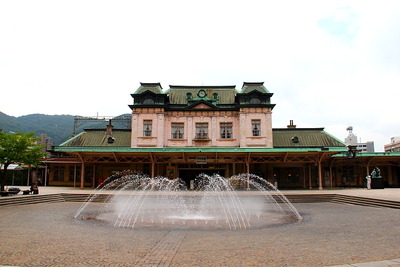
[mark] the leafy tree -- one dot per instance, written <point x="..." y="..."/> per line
<point x="18" y="148"/>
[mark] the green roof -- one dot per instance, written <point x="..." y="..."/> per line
<point x="309" y="139"/>
<point x="372" y="154"/>
<point x="153" y="87"/>
<point x="304" y="137"/>
<point x="178" y="93"/>
<point x="99" y="138"/>
<point x="190" y="149"/>
<point x="226" y="94"/>
<point x="251" y="86"/>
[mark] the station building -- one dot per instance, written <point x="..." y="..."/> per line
<point x="188" y="130"/>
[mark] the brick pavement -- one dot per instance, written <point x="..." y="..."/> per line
<point x="330" y="234"/>
<point x="164" y="252"/>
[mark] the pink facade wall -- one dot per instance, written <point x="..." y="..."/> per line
<point x="161" y="135"/>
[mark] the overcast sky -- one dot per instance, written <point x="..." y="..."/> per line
<point x="329" y="64"/>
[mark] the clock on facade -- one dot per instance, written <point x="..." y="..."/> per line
<point x="202" y="93"/>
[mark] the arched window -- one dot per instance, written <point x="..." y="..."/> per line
<point x="148" y="101"/>
<point x="255" y="101"/>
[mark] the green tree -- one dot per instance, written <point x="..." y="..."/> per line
<point x="19" y="148"/>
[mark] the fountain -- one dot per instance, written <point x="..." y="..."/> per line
<point x="137" y="201"/>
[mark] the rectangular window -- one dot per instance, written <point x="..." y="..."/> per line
<point x="202" y="130"/>
<point x="88" y="175"/>
<point x="74" y="173"/>
<point x="226" y="130"/>
<point x="177" y="130"/>
<point x="256" y="127"/>
<point x="147" y="125"/>
<point x="58" y="173"/>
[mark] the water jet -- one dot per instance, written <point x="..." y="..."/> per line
<point x="138" y="201"/>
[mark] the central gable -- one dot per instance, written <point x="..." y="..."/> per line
<point x="201" y="105"/>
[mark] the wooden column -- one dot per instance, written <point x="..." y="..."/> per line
<point x="248" y="171"/>
<point x="83" y="175"/>
<point x="389" y="175"/>
<point x="74" y="175"/>
<point x="45" y="175"/>
<point x="320" y="175"/>
<point x="152" y="162"/>
<point x="94" y="177"/>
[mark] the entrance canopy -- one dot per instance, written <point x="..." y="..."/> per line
<point x="189" y="155"/>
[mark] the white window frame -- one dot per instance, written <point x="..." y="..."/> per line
<point x="256" y="127"/>
<point x="177" y="130"/>
<point x="226" y="130"/>
<point x="147" y="128"/>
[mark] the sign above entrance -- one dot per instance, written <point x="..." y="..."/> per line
<point x="201" y="160"/>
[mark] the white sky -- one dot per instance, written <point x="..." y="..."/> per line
<point x="329" y="64"/>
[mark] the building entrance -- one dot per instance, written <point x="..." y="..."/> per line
<point x="189" y="175"/>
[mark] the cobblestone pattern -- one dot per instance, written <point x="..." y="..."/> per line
<point x="331" y="234"/>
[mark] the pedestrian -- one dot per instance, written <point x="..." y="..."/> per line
<point x="34" y="188"/>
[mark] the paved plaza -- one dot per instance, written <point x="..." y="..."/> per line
<point x="330" y="234"/>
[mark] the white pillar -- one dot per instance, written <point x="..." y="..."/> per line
<point x="242" y="129"/>
<point x="160" y="130"/>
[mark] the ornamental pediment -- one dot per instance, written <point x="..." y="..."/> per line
<point x="201" y="105"/>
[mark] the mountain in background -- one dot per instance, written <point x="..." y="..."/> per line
<point x="57" y="127"/>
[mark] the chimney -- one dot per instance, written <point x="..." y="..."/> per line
<point x="291" y="125"/>
<point x="109" y="128"/>
<point x="110" y="139"/>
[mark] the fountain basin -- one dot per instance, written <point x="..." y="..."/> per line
<point x="159" y="203"/>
